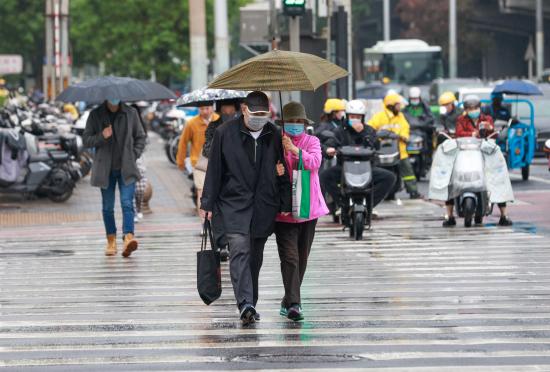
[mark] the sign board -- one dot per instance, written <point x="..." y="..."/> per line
<point x="294" y="8"/>
<point x="11" y="64"/>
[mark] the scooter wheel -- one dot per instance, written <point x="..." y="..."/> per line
<point x="469" y="208"/>
<point x="359" y="225"/>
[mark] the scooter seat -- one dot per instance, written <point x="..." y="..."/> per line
<point x="38" y="157"/>
<point x="59" y="156"/>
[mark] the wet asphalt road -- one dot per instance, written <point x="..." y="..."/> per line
<point x="411" y="296"/>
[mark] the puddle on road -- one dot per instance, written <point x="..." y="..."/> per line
<point x="525" y="227"/>
<point x="41" y="253"/>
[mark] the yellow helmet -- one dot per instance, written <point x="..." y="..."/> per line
<point x="392" y="99"/>
<point x="334" y="104"/>
<point x="446" y="98"/>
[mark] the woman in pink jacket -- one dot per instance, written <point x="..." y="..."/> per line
<point x="295" y="236"/>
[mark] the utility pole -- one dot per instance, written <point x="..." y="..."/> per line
<point x="294" y="36"/>
<point x="540" y="40"/>
<point x="350" y="50"/>
<point x="452" y="40"/>
<point x="387" y="35"/>
<point x="197" y="33"/>
<point x="222" y="38"/>
<point x="56" y="71"/>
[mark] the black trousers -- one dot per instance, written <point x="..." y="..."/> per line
<point x="246" y="258"/>
<point x="383" y="179"/>
<point x="452" y="202"/>
<point x="294" y="242"/>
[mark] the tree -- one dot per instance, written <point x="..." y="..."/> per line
<point x="22" y="31"/>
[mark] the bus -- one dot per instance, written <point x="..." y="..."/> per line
<point x="403" y="61"/>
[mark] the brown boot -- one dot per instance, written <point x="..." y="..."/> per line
<point x="110" y="249"/>
<point x="130" y="245"/>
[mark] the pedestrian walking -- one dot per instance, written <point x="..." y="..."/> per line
<point x="242" y="181"/>
<point x="141" y="185"/>
<point x="229" y="109"/>
<point x="115" y="131"/>
<point x="194" y="133"/>
<point x="295" y="235"/>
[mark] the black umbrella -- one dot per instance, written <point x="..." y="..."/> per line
<point x="112" y="87"/>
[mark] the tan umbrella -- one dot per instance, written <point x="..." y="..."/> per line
<point x="279" y="70"/>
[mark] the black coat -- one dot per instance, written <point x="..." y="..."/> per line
<point x="347" y="136"/>
<point x="241" y="179"/>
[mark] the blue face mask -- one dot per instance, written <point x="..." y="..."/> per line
<point x="474" y="115"/>
<point x="114" y="102"/>
<point x="353" y="121"/>
<point x="294" y="129"/>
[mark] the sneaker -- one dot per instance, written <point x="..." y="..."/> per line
<point x="295" y="313"/>
<point x="449" y="221"/>
<point x="247" y="314"/>
<point x="283" y="311"/>
<point x="140" y="215"/>
<point x="136" y="219"/>
<point x="505" y="221"/>
<point x="224" y="254"/>
<point x="257" y="317"/>
<point x="478" y="220"/>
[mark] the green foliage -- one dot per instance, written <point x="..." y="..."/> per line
<point x="128" y="37"/>
<point x="22" y="30"/>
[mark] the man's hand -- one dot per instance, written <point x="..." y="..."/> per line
<point x="205" y="214"/>
<point x="280" y="169"/>
<point x="331" y="151"/>
<point x="289" y="146"/>
<point x="108" y="132"/>
<point x="475" y="133"/>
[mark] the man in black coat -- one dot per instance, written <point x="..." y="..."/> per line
<point x="242" y="183"/>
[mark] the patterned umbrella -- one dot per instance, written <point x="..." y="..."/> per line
<point x="205" y="95"/>
<point x="280" y="70"/>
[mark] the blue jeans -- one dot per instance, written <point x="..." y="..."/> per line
<point x="126" y="201"/>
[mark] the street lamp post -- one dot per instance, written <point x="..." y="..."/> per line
<point x="452" y="39"/>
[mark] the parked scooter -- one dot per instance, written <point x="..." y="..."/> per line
<point x="47" y="173"/>
<point x="387" y="156"/>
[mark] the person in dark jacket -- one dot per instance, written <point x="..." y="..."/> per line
<point x="355" y="132"/>
<point x="114" y="130"/>
<point x="449" y="112"/>
<point x="228" y="109"/>
<point x="242" y="182"/>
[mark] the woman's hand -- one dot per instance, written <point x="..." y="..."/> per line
<point x="289" y="146"/>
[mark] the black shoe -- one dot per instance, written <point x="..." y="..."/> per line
<point x="416" y="195"/>
<point x="295" y="313"/>
<point x="224" y="254"/>
<point x="449" y="222"/>
<point x="257" y="317"/>
<point x="247" y="314"/>
<point x="478" y="220"/>
<point x="505" y="221"/>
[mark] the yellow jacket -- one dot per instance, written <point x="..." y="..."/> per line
<point x="194" y="132"/>
<point x="386" y="120"/>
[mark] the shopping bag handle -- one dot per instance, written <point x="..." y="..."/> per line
<point x="206" y="235"/>
<point x="300" y="161"/>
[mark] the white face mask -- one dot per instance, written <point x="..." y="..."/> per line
<point x="256" y="122"/>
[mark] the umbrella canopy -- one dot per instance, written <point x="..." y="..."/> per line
<point x="112" y="87"/>
<point x="280" y="70"/>
<point x="198" y="96"/>
<point x="518" y="87"/>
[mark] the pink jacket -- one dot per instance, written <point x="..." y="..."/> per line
<point x="311" y="158"/>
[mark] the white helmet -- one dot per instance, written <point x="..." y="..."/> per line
<point x="356" y="107"/>
<point x="414" y="92"/>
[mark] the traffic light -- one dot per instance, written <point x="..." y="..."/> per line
<point x="294" y="8"/>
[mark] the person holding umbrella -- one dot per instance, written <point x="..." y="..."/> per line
<point x="114" y="130"/>
<point x="242" y="182"/>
